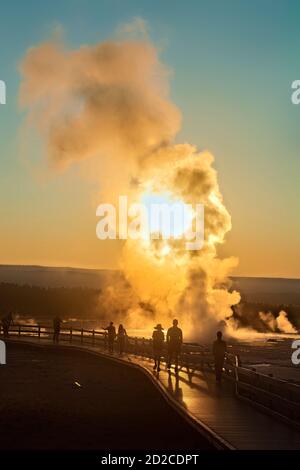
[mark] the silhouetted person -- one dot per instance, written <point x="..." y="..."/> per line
<point x="111" y="335"/>
<point x="56" y="328"/>
<point x="158" y="339"/>
<point x="122" y="339"/>
<point x="219" y="350"/>
<point x="174" y="342"/>
<point x="6" y="322"/>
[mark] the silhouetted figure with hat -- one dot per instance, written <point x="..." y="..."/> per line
<point x="219" y="350"/>
<point x="122" y="336"/>
<point x="6" y="322"/>
<point x="158" y="339"/>
<point x="174" y="342"/>
<point x="56" y="329"/>
<point x="111" y="336"/>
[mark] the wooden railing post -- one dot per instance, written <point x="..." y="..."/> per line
<point x="19" y="333"/>
<point x="93" y="341"/>
<point x="135" y="346"/>
<point x="81" y="338"/>
<point x="39" y="332"/>
<point x="71" y="334"/>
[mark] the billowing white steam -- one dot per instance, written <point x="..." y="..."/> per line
<point x="110" y="102"/>
<point x="280" y="323"/>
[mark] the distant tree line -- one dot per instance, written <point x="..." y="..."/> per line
<point x="87" y="303"/>
<point x="41" y="302"/>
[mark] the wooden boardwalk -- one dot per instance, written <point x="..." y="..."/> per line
<point x="216" y="409"/>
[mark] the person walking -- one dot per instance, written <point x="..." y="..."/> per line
<point x="6" y="322"/>
<point x="111" y="335"/>
<point x="219" y="350"/>
<point x="158" y="339"/>
<point x="174" y="342"/>
<point x="122" y="336"/>
<point x="56" y="329"/>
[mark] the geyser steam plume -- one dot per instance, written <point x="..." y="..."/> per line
<point x="110" y="102"/>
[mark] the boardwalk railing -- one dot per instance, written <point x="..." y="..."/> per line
<point x="194" y="356"/>
<point x="278" y="397"/>
<point x="272" y="395"/>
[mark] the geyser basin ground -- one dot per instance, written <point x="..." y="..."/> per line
<point x="116" y="407"/>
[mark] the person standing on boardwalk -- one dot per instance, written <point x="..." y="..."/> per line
<point x="122" y="335"/>
<point x="158" y="339"/>
<point x="111" y="335"/>
<point x="6" y="322"/>
<point x="219" y="350"/>
<point x="56" y="328"/>
<point x="174" y="342"/>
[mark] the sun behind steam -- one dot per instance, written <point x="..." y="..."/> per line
<point x="110" y="101"/>
<point x="168" y="278"/>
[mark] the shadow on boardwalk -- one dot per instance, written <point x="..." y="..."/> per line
<point x="111" y="406"/>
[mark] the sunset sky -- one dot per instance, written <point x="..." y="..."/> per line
<point x="232" y="67"/>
